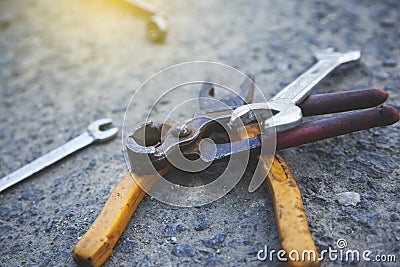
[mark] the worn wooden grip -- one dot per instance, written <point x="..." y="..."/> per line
<point x="291" y="219"/>
<point x="290" y="216"/>
<point x="97" y="244"/>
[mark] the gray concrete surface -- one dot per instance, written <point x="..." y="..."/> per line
<point x="64" y="64"/>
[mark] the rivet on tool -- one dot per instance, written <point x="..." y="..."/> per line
<point x="181" y="130"/>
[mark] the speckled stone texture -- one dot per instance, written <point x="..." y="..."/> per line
<point x="64" y="64"/>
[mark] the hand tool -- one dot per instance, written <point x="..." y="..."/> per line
<point x="288" y="205"/>
<point x="290" y="216"/>
<point x="97" y="244"/>
<point x="94" y="248"/>
<point x="157" y="25"/>
<point x="287" y="114"/>
<point x="144" y="157"/>
<point x="93" y="134"/>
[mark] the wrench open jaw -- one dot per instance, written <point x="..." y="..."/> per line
<point x="285" y="116"/>
<point x="100" y="130"/>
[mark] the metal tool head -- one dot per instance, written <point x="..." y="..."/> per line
<point x="245" y="96"/>
<point x="239" y="103"/>
<point x="342" y="57"/>
<point x="283" y="105"/>
<point x="100" y="130"/>
<point x="149" y="144"/>
<point x="284" y="116"/>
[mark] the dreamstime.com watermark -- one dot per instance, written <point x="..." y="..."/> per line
<point x="340" y="253"/>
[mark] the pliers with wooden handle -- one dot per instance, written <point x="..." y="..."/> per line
<point x="96" y="245"/>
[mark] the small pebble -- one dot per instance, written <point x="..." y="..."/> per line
<point x="169" y="231"/>
<point x="2" y="134"/>
<point x="49" y="141"/>
<point x="379" y="164"/>
<point x="215" y="240"/>
<point x="388" y="22"/>
<point x="313" y="157"/>
<point x="92" y="164"/>
<point x="172" y="229"/>
<point x="202" y="223"/>
<point x="183" y="250"/>
<point x="348" y="198"/>
<point x="252" y="251"/>
<point x="180" y="227"/>
<point x="49" y="224"/>
<point x="172" y="240"/>
<point x="127" y="246"/>
<point x="33" y="194"/>
<point x="33" y="135"/>
<point x="5" y="227"/>
<point x="371" y="195"/>
<point x="382" y="75"/>
<point x="389" y="62"/>
<point x="394" y="217"/>
<point x="212" y="261"/>
<point x="33" y="212"/>
<point x="233" y="243"/>
<point x="118" y="108"/>
<point x="336" y="153"/>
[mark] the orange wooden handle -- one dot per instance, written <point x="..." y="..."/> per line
<point x="97" y="244"/>
<point x="289" y="210"/>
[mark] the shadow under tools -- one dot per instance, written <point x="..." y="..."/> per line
<point x="210" y="174"/>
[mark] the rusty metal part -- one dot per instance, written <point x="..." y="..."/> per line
<point x="155" y="154"/>
<point x="149" y="145"/>
<point x="286" y="108"/>
<point x="244" y="97"/>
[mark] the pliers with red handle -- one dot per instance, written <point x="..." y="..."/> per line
<point x="362" y="110"/>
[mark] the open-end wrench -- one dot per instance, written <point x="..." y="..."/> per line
<point x="284" y="104"/>
<point x="157" y="25"/>
<point x="93" y="133"/>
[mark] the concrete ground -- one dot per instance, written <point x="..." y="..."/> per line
<point x="64" y="64"/>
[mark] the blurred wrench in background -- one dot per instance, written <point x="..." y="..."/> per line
<point x="157" y="25"/>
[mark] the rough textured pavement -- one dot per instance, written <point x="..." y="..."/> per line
<point x="64" y="64"/>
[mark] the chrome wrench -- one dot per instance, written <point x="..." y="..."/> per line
<point x="93" y="133"/>
<point x="284" y="105"/>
